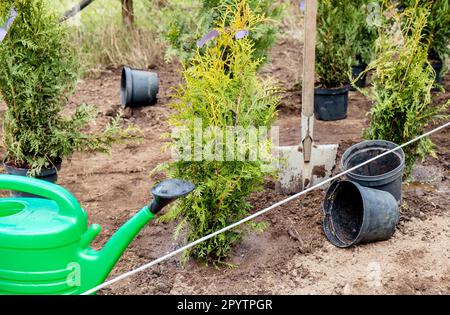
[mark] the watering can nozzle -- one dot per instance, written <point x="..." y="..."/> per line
<point x="167" y="191"/>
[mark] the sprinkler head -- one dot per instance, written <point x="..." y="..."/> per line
<point x="167" y="191"/>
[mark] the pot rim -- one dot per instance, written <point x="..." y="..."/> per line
<point x="127" y="88"/>
<point x="327" y="223"/>
<point x="332" y="91"/>
<point x="56" y="166"/>
<point x="391" y="174"/>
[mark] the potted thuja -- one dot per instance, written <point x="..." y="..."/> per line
<point x="333" y="61"/>
<point x="401" y="92"/>
<point x="37" y="74"/>
<point x="362" y="34"/>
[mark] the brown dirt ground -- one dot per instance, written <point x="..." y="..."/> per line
<point x="292" y="255"/>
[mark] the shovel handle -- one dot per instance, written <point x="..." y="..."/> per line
<point x="309" y="61"/>
<point x="66" y="202"/>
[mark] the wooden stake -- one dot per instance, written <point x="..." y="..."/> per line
<point x="128" y="13"/>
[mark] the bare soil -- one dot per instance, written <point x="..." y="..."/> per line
<point x="292" y="256"/>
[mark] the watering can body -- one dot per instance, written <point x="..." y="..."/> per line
<point x="44" y="242"/>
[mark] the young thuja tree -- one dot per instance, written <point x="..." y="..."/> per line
<point x="334" y="54"/>
<point x="37" y="74"/>
<point x="221" y="106"/>
<point x="183" y="31"/>
<point x="402" y="84"/>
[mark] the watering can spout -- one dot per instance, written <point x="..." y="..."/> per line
<point x="163" y="194"/>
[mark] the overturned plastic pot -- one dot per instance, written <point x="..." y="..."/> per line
<point x="48" y="174"/>
<point x="331" y="104"/>
<point x="138" y="88"/>
<point x="385" y="173"/>
<point x="356" y="214"/>
<point x="356" y="71"/>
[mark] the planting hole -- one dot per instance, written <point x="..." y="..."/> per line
<point x="347" y="212"/>
<point x="10" y="208"/>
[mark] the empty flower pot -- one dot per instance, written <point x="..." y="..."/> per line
<point x="385" y="173"/>
<point x="138" y="88"/>
<point x="331" y="104"/>
<point x="357" y="214"/>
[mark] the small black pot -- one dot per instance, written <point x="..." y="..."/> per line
<point x="331" y="104"/>
<point x="138" y="88"/>
<point x="437" y="66"/>
<point x="356" y="71"/>
<point x="47" y="174"/>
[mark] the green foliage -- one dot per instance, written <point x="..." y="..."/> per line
<point x="334" y="53"/>
<point x="37" y="74"/>
<point x="182" y="31"/>
<point x="437" y="31"/>
<point x="362" y="34"/>
<point x="224" y="93"/>
<point x="402" y="85"/>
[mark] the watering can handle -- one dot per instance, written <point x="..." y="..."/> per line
<point x="66" y="202"/>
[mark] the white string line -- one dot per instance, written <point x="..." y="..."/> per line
<point x="257" y="214"/>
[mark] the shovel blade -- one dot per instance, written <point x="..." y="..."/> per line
<point x="295" y="175"/>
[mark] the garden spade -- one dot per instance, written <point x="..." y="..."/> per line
<point x="308" y="163"/>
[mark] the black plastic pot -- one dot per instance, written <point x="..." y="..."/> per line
<point x="356" y="214"/>
<point x="138" y="88"/>
<point x="331" y="104"/>
<point x="437" y="66"/>
<point x="356" y="71"/>
<point x="384" y="173"/>
<point x="47" y="174"/>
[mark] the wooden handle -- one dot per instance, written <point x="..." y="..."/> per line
<point x="309" y="57"/>
<point x="309" y="61"/>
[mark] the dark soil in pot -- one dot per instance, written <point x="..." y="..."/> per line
<point x="331" y="104"/>
<point x="48" y="174"/>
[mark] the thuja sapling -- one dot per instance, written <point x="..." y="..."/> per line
<point x="402" y="85"/>
<point x="221" y="95"/>
<point x="334" y="54"/>
<point x="334" y="58"/>
<point x="39" y="70"/>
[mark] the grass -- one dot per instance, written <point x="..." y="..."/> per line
<point x="103" y="41"/>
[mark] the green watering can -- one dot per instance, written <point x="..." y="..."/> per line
<point x="44" y="243"/>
